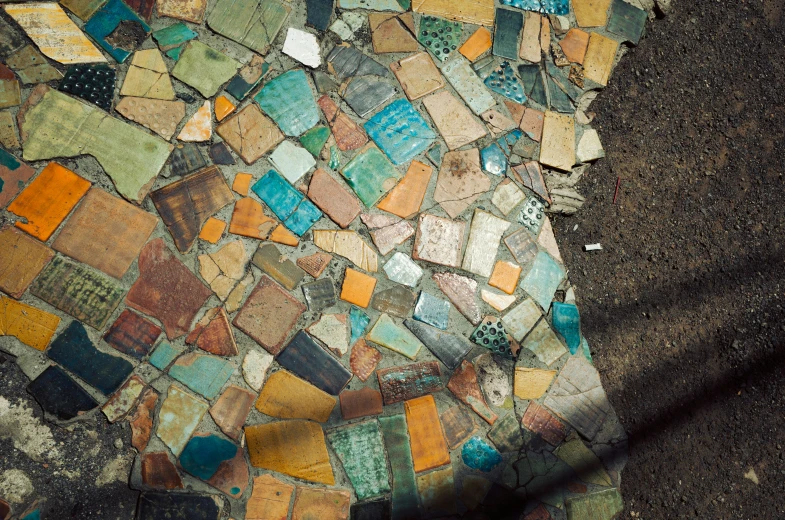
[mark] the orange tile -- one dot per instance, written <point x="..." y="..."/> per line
<point x="406" y="198"/>
<point x="321" y="504"/>
<point x="48" y="200"/>
<point x="574" y="45"/>
<point x="505" y="276"/>
<point x="286" y="396"/>
<point x="223" y="107"/>
<point x="269" y="500"/>
<point x="249" y="220"/>
<point x="283" y="236"/>
<point x="294" y="448"/>
<point x="30" y="325"/>
<point x="199" y="127"/>
<point x="212" y="230"/>
<point x="477" y="44"/>
<point x="357" y="287"/>
<point x="429" y="447"/>
<point x="242" y="182"/>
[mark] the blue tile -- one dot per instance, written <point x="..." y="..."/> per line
<point x="288" y="99"/>
<point x="561" y="7"/>
<point x="106" y="20"/>
<point x="400" y="131"/>
<point x="173" y="35"/>
<point x="503" y="81"/>
<point x="163" y="355"/>
<point x="508" y="141"/>
<point x="203" y="374"/>
<point x="358" y="321"/>
<point x="493" y="160"/>
<point x="567" y="322"/>
<point x="295" y="211"/>
<point x="543" y="279"/>
<point x="477" y="453"/>
<point x="202" y="456"/>
<point x="305" y="216"/>
<point x="432" y="310"/>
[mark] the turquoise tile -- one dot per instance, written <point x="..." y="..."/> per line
<point x="561" y="7"/>
<point x="203" y="374"/>
<point x="387" y="333"/>
<point x="202" y="456"/>
<point x="493" y="160"/>
<point x="586" y="350"/>
<point x="288" y="99"/>
<point x="173" y="36"/>
<point x="107" y="19"/>
<point x="543" y="279"/>
<point x="175" y="53"/>
<point x="567" y="322"/>
<point x="477" y="453"/>
<point x="440" y="36"/>
<point x="503" y="81"/>
<point x="358" y="321"/>
<point x="314" y="139"/>
<point x="361" y="452"/>
<point x="400" y="131"/>
<point x="526" y="5"/>
<point x="508" y="141"/>
<point x="163" y="355"/>
<point x="370" y="174"/>
<point x="295" y="211"/>
<point x="33" y="515"/>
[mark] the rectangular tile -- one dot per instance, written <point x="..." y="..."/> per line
<point x="409" y="381"/>
<point x="21" y="259"/>
<point x="265" y="19"/>
<point x="478" y="12"/>
<point x="429" y="447"/>
<point x="387" y="333"/>
<point x="286" y="396"/>
<point x="404" y="497"/>
<point x="361" y="452"/>
<point x="483" y="243"/>
<point x="506" y="33"/>
<point x="437" y="492"/>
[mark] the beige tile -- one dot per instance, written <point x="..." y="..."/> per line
<point x="454" y="121"/>
<point x="598" y="62"/>
<point x="418" y="75"/>
<point x="557" y="149"/>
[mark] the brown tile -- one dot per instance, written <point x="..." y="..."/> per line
<point x="531" y="123"/>
<point x="21" y="259"/>
<point x="269" y="499"/>
<point x="231" y="410"/>
<point x="418" y="75"/>
<point x="224" y="268"/>
<point x="439" y="240"/>
<point x="132" y="334"/>
<point x="477" y="12"/>
<point x="530" y="49"/>
<point x="249" y="220"/>
<point x="186" y="204"/>
<point x="9" y="141"/>
<point x="453" y="119"/>
<point x="333" y="198"/>
<point x="231" y="476"/>
<point x="188" y="10"/>
<point x="465" y="386"/>
<point x="250" y="133"/>
<point x="316" y="503"/>
<point x="461" y="181"/>
<point x="477" y="44"/>
<point x="360" y="403"/>
<point x="429" y="447"/>
<point x="106" y="232"/>
<point x="539" y="420"/>
<point x="516" y="110"/>
<point x="159" y="472"/>
<point x="405" y="199"/>
<point x="286" y="396"/>
<point x="599" y="58"/>
<point x="363" y="359"/>
<point x="530" y="175"/>
<point x="48" y="200"/>
<point x="458" y="425"/>
<point x="348" y="134"/>
<point x="315" y="264"/>
<point x="124" y="399"/>
<point x="574" y="45"/>
<point x="269" y="314"/>
<point x="142" y="419"/>
<point x="269" y="259"/>
<point x="532" y="383"/>
<point x="166" y="289"/>
<point x="214" y="334"/>
<point x="409" y="381"/>
<point x="14" y="174"/>
<point x="390" y="34"/>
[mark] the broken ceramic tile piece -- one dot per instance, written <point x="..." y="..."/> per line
<point x="363" y="359"/>
<point x="159" y="472"/>
<point x="406" y="198"/>
<point x="460" y="182"/>
<point x="286" y="396"/>
<point x="478" y="454"/>
<point x="428" y="445"/>
<point x="400" y="131"/>
<point x="498" y="123"/>
<point x="506" y="434"/>
<point x="297" y="213"/>
<point x="189" y="505"/>
<point x="319" y="294"/>
<point x="204" y="68"/>
<point x="199" y="127"/>
<point x="532" y="215"/>
<point x="255" y="365"/>
<point x="544" y="343"/>
<point x="303" y="47"/>
<point x="478" y="12"/>
<point x="163" y="355"/>
<point x="321" y="503"/>
<point x="409" y="381"/>
<point x="347" y="61"/>
<point x="418" y="75"/>
<point x="203" y="374"/>
<point x="162" y="117"/>
<point x="173" y="36"/>
<point x="483" y="242"/>
<point x="439" y="36"/>
<point x="462" y="292"/>
<point x="432" y="310"/>
<point x="468" y="85"/>
<point x="188" y="10"/>
<point x="507" y="28"/>
<point x="531" y="176"/>
<point x="627" y="21"/>
<point x="185" y="158"/>
<point x="600" y="55"/>
<point x="147" y="77"/>
<point x="367" y="93"/>
<point x="348" y="134"/>
<point x="268" y="315"/>
<point x="477" y="44"/>
<point x="221" y="155"/>
<point x="88" y="296"/>
<point x="387" y="333"/>
<point x="493" y="160"/>
<point x="141" y="420"/>
<point x="348" y="244"/>
<point x="404" y="491"/>
<point x="263" y="20"/>
<point x="292" y="161"/>
<point x="60" y="395"/>
<point x="449" y="348"/>
<point x="14" y="175"/>
<point x="333" y="331"/>
<point x="224" y="268"/>
<point x="454" y="121"/>
<point x="333" y="198"/>
<point x="589" y="147"/>
<point x="178" y="417"/>
<point x="493" y="378"/>
<point x="21" y="259"/>
<point x="319" y="13"/>
<point x="360" y="403"/>
<point x="308" y="360"/>
<point x="522" y="246"/>
<point x="314" y="139"/>
<point x="10" y="93"/>
<point x="358" y="322"/>
<point x="213" y="334"/>
<point x="490" y="334"/>
<point x="248" y="77"/>
<point x="281" y="269"/>
<point x="132" y="334"/>
<point x="54" y="33"/>
<point x="289" y="101"/>
<point x="520" y="320"/>
<point x="567" y="323"/>
<point x="464" y="385"/>
<point x="392" y="33"/>
<point x="250" y="133"/>
<point x="118" y="29"/>
<point x="357" y="287"/>
<point x="269" y="500"/>
<point x="532" y="383"/>
<point x="360" y="449"/>
<point x="538" y="420"/>
<point x="217" y="461"/>
<point x="388" y="237"/>
<point x="530" y="49"/>
<point x="507" y="196"/>
<point x="132" y="158"/>
<point x="315" y="264"/>
<point x="458" y="425"/>
<point x="397" y="301"/>
<point x="542" y="280"/>
<point x="503" y="81"/>
<point x="401" y="269"/>
<point x="499" y="302"/>
<point x="437" y="492"/>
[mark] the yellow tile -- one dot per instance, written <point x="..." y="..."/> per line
<point x="30" y="325"/>
<point x="223" y="107"/>
<point x="505" y="276"/>
<point x="591" y="13"/>
<point x="269" y="500"/>
<point x="294" y="448"/>
<point x="288" y="397"/>
<point x="532" y="383"/>
<point x="599" y="58"/>
<point x="478" y="12"/>
<point x="212" y="230"/>
<point x="477" y="44"/>
<point x="557" y="148"/>
<point x="357" y="287"/>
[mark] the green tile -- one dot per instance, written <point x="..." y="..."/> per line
<point x="360" y="449"/>
<point x="404" y="488"/>
<point x="313" y="140"/>
<point x="202" y="373"/>
<point x="371" y="175"/>
<point x="253" y="23"/>
<point x="204" y="68"/>
<point x="388" y="334"/>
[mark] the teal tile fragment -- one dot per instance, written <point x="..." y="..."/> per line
<point x="586" y="350"/>
<point x="490" y="334"/>
<point x="295" y="211"/>
<point x="533" y="84"/>
<point x="508" y="141"/>
<point x="163" y="355"/>
<point x="493" y="160"/>
<point x="400" y="131"/>
<point x="503" y="81"/>
<point x="543" y="279"/>
<point x="358" y="322"/>
<point x="560" y="7"/>
<point x="314" y="139"/>
<point x="387" y="333"/>
<point x="626" y="21"/>
<point x="567" y="322"/>
<point x="371" y="175"/>
<point x="248" y="78"/>
<point x="175" y="53"/>
<point x="559" y="100"/>
<point x="477" y="453"/>
<point x="203" y="374"/>
<point x="361" y="452"/>
<point x="439" y="36"/>
<point x="526" y="5"/>
<point x="202" y="456"/>
<point x="289" y="101"/>
<point x="107" y="19"/>
<point x="173" y="36"/>
<point x="74" y="350"/>
<point x="33" y="515"/>
<point x="405" y="499"/>
<point x="506" y="31"/>
<point x="435" y="154"/>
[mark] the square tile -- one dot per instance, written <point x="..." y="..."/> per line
<point x="400" y="131"/>
<point x="357" y="288"/>
<point x="505" y="276"/>
<point x="439" y="240"/>
<point x="249" y="133"/>
<point x="418" y="75"/>
<point x="370" y="174"/>
<point x="21" y="259"/>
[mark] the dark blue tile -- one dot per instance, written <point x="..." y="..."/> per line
<point x="60" y="395"/>
<point x="308" y="360"/>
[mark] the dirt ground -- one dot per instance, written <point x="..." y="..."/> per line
<point x="683" y="307"/>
